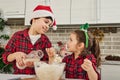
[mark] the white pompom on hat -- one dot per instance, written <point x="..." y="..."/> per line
<point x="44" y="11"/>
<point x="54" y="25"/>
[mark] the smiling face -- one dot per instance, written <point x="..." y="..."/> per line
<point x="40" y="25"/>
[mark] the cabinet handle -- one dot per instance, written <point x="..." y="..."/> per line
<point x="45" y="2"/>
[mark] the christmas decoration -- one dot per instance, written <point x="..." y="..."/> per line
<point x="84" y="27"/>
<point x="98" y="34"/>
<point x="4" y="68"/>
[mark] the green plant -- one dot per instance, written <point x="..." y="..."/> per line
<point x="4" y="36"/>
<point x="4" y="68"/>
<point x="2" y="24"/>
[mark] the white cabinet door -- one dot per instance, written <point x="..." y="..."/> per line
<point x="109" y="11"/>
<point x="83" y="11"/>
<point x="30" y="5"/>
<point x="110" y="71"/>
<point x="61" y="9"/>
<point x="13" y="8"/>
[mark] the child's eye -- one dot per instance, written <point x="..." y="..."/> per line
<point x="46" y="22"/>
<point x="70" y="39"/>
<point x="50" y="25"/>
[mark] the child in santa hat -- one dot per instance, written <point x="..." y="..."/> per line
<point x="30" y="39"/>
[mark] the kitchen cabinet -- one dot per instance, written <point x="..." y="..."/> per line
<point x="70" y="12"/>
<point x="109" y="11"/>
<point x="110" y="71"/>
<point x="13" y="8"/>
<point x="83" y="11"/>
<point x="67" y="11"/>
<point x="61" y="9"/>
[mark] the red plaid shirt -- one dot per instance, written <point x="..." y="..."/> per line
<point x="20" y="41"/>
<point x="73" y="67"/>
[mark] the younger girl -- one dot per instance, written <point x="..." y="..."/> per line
<point x="85" y="57"/>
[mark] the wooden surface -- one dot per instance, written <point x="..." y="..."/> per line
<point x="34" y="78"/>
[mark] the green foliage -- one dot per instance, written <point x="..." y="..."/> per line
<point x="4" y="68"/>
<point x="5" y="37"/>
<point x="2" y="24"/>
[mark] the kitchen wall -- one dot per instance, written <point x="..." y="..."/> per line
<point x="109" y="45"/>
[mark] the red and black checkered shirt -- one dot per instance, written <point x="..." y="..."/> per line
<point x="73" y="67"/>
<point x="20" y="42"/>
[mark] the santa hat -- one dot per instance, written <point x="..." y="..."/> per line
<point x="44" y="11"/>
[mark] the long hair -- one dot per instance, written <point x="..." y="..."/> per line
<point x="93" y="45"/>
<point x="95" y="49"/>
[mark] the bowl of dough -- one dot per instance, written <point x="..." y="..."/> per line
<point x="45" y="71"/>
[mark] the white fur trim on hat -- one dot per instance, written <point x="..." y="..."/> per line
<point x="42" y="13"/>
<point x="54" y="25"/>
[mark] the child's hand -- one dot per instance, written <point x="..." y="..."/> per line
<point x="87" y="65"/>
<point x="50" y="52"/>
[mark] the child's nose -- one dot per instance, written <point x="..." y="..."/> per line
<point x="46" y="27"/>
